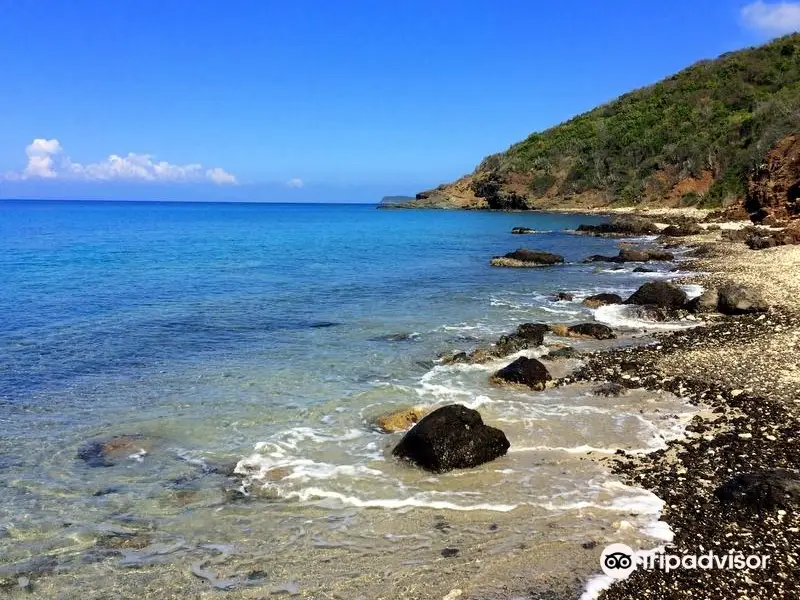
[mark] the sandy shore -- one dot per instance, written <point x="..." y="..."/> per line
<point x="743" y="371"/>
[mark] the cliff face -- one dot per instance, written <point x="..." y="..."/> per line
<point x="689" y="140"/>
<point x="773" y="193"/>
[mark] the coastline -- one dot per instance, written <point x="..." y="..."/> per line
<point x="741" y="372"/>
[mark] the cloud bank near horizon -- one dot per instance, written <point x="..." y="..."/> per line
<point x="48" y="161"/>
<point x="772" y="18"/>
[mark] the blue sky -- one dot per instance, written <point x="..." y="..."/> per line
<point x="321" y="101"/>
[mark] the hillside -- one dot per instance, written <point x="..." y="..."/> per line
<point x="691" y="139"/>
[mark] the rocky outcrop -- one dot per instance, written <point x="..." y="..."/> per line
<point x="107" y="452"/>
<point x="527" y="258"/>
<point x="523" y="371"/>
<point x="399" y="420"/>
<point x="490" y="186"/>
<point x="451" y="437"/>
<point x="734" y="299"/>
<point x="633" y="255"/>
<point x="773" y="190"/>
<point x="658" y="293"/>
<point x="762" y="491"/>
<point x="601" y="300"/>
<point x="522" y="230"/>
<point x="759" y="239"/>
<point x="621" y="227"/>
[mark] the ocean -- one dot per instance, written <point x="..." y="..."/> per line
<point x="272" y="335"/>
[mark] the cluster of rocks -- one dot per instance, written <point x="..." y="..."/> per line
<point x="621" y="227"/>
<point x="732" y="483"/>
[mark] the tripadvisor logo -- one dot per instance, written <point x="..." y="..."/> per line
<point x="618" y="561"/>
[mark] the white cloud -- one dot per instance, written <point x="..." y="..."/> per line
<point x="46" y="160"/>
<point x="295" y="183"/>
<point x="772" y="19"/>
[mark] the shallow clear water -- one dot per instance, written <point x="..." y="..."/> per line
<point x="273" y="335"/>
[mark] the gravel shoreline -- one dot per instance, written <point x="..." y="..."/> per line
<point x="742" y="371"/>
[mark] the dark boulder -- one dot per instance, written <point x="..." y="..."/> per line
<point x="564" y="296"/>
<point x="643" y="270"/>
<point x="762" y="490"/>
<point x="736" y="299"/>
<point x="451" y="437"/>
<point x="532" y="333"/>
<point x="658" y="293"/>
<point x="597" y="331"/>
<point x="526" y="258"/>
<point x="523" y="371"/>
<point x="602" y="300"/>
<point x="522" y="230"/>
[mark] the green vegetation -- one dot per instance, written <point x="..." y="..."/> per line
<point x="720" y="116"/>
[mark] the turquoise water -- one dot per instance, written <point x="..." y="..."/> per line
<point x="272" y="334"/>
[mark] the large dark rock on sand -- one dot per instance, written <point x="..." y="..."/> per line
<point x="527" y="258"/>
<point x="658" y="293"/>
<point x="620" y="227"/>
<point x="762" y="490"/>
<point x="107" y="452"/>
<point x="452" y="437"/>
<point x="524" y="371"/>
<point x="597" y="331"/>
<point x="734" y="299"/>
<point x="602" y="300"/>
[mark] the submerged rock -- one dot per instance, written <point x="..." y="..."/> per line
<point x="762" y="490"/>
<point x="522" y="230"/>
<point x="523" y="371"/>
<point x="601" y="300"/>
<point x="659" y="293"/>
<point x="737" y="299"/>
<point x="643" y="270"/>
<point x="527" y="258"/>
<point x="399" y="420"/>
<point x="107" y="452"/>
<point x="452" y="437"/>
<point x="610" y="388"/>
<point x="597" y="331"/>
<point x="564" y="296"/>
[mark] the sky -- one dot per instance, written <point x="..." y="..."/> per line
<point x="342" y="101"/>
